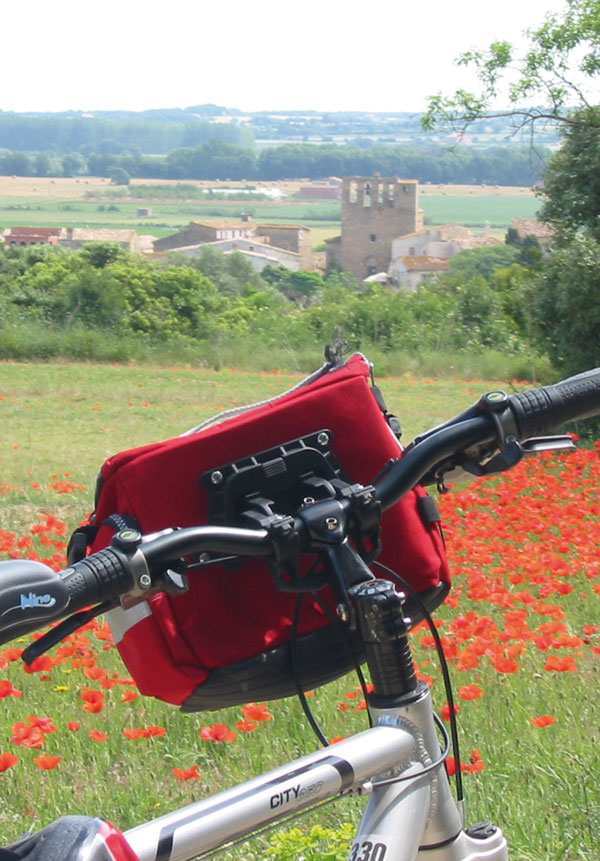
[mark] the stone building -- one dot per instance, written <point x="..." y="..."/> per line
<point x="290" y="237"/>
<point x="375" y="211"/>
<point x="442" y="242"/>
<point x="76" y="237"/>
<point x="198" y="232"/>
<point x="293" y="238"/>
<point x="258" y="252"/>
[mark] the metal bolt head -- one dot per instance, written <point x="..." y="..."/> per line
<point x="216" y="477"/>
<point x="331" y="523"/>
<point x="145" y="580"/>
<point x="203" y="558"/>
<point x="342" y="612"/>
<point x="323" y="438"/>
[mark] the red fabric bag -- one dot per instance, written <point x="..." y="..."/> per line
<point x="226" y="641"/>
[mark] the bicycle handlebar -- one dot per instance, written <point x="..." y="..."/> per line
<point x="539" y="410"/>
<point x="32" y="595"/>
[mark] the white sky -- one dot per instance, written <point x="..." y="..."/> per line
<point x="375" y="55"/>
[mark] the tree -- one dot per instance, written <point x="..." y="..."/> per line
<point x="571" y="190"/>
<point x="565" y="304"/>
<point x="119" y="176"/>
<point x="562" y="58"/>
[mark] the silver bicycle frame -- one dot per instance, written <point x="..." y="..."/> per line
<point x="412" y="818"/>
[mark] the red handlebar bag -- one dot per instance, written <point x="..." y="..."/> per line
<point x="227" y="640"/>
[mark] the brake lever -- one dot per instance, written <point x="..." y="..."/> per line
<point x="466" y="465"/>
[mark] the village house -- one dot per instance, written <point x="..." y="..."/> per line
<point x="409" y="272"/>
<point x="200" y="232"/>
<point x="23" y="236"/>
<point x="278" y="238"/>
<point x="543" y="232"/>
<point x="76" y="237"/>
<point x="257" y="252"/>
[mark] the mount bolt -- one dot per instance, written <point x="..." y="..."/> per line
<point x="331" y="523"/>
<point x="216" y="477"/>
<point x="323" y="438"/>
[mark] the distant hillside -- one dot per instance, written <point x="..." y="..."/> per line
<point x="163" y="129"/>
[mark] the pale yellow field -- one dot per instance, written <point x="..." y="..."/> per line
<point x="76" y="187"/>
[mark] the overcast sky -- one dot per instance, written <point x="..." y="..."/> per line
<point x="263" y="55"/>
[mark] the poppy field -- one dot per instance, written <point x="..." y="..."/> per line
<point x="520" y="628"/>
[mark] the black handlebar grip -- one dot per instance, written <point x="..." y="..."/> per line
<point x="539" y="411"/>
<point x="101" y="576"/>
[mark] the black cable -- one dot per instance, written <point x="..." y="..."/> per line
<point x="443" y="666"/>
<point x="347" y="643"/>
<point x="295" y="672"/>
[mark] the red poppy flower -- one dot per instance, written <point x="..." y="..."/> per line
<point x="246" y="725"/>
<point x="187" y="773"/>
<point x="25" y="735"/>
<point x="7" y="689"/>
<point x="12" y="654"/>
<point x="217" y="732"/>
<point x="7" y="760"/>
<point x="95" y="673"/>
<point x="504" y="665"/>
<point x="157" y="731"/>
<point x="257" y="711"/>
<point x="98" y="735"/>
<point x="93" y="700"/>
<point x="470" y="692"/>
<point x="129" y="696"/>
<point x="73" y="725"/>
<point x="41" y="664"/>
<point x="45" y="724"/>
<point x="47" y="762"/>
<point x="134" y="733"/>
<point x="445" y="711"/>
<point x="543" y="721"/>
<point x="560" y="665"/>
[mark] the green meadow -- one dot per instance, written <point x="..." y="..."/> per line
<point x="520" y="629"/>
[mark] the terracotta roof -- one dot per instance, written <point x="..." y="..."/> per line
<point x="223" y="225"/>
<point x="423" y="263"/>
<point x="33" y="231"/>
<point x="83" y="234"/>
<point x="282" y="226"/>
<point x="530" y="226"/>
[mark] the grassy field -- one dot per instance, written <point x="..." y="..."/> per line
<point x="521" y="625"/>
<point x="94" y="203"/>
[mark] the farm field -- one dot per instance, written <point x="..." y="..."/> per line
<point x="93" y="202"/>
<point x="520" y="627"/>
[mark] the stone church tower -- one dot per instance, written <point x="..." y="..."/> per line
<point x="375" y="210"/>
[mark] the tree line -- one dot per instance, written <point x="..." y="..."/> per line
<point x="219" y="159"/>
<point x="480" y="304"/>
<point x="62" y="135"/>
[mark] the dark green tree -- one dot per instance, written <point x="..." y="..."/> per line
<point x="571" y="192"/>
<point x="566" y="306"/>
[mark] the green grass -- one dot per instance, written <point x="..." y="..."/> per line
<point x="60" y="421"/>
<point x="497" y="211"/>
